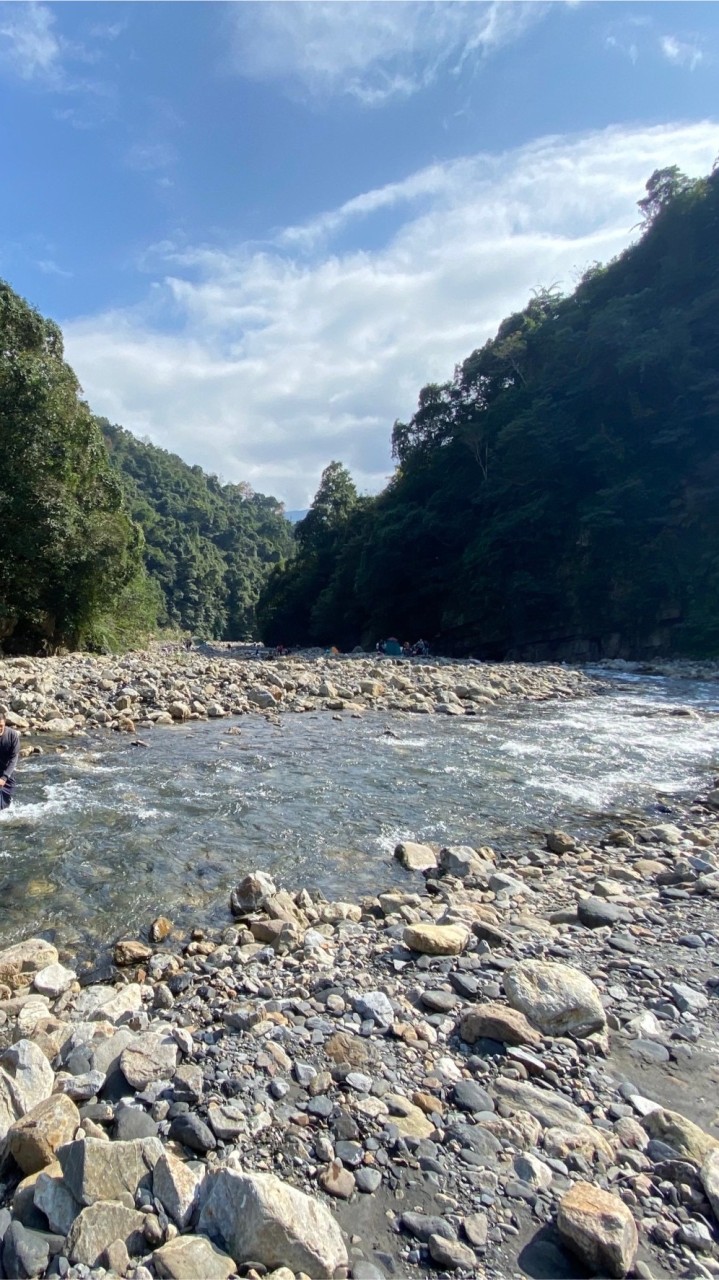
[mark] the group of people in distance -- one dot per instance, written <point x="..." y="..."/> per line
<point x="393" y="649"/>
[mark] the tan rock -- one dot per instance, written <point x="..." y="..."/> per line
<point x="687" y="1139"/>
<point x="437" y="939"/>
<point x="20" y="962"/>
<point x="149" y="1057"/>
<point x="160" y="929"/>
<point x="415" y="857"/>
<point x="582" y="1139"/>
<point x="34" y="1139"/>
<point x="129" y="951"/>
<point x="409" y="1119"/>
<point x="498" y="1022"/>
<point x="98" y="1226"/>
<point x="598" y="1227"/>
<point x="192" y="1258"/>
<point x="336" y="1180"/>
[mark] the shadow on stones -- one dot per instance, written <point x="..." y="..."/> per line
<point x="545" y="1258"/>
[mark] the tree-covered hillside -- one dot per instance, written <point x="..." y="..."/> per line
<point x="560" y="495"/>
<point x="71" y="569"/>
<point x="208" y="545"/>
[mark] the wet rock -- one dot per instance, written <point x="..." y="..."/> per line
<point x="555" y="997"/>
<point x="252" y="893"/>
<point x="436" y="939"/>
<point x="160" y="929"/>
<point x="461" y="861"/>
<point x="599" y="1228"/>
<point x="415" y="857"/>
<point x="497" y="1022"/>
<point x="450" y="1254"/>
<point x="260" y="1217"/>
<point x="33" y="1140"/>
<point x="20" y="962"/>
<point x="129" y="951"/>
<point x="559" y="842"/>
<point x="98" y="1226"/>
<point x="190" y="1257"/>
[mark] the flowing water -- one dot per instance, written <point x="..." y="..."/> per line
<point x="106" y="835"/>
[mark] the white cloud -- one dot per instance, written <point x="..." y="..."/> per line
<point x="29" y="43"/>
<point x="263" y="363"/>
<point x="683" y="53"/>
<point x="370" y="51"/>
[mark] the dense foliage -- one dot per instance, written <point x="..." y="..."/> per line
<point x="560" y="495"/>
<point x="71" y="567"/>
<point x="209" y="546"/>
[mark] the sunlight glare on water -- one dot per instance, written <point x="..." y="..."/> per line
<point x="106" y="836"/>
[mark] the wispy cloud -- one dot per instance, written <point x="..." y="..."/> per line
<point x="50" y="268"/>
<point x="683" y="53"/>
<point x="371" y="52"/>
<point x="264" y="362"/>
<point x="29" y="43"/>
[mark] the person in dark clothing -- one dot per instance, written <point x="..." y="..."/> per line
<point x="9" y="752"/>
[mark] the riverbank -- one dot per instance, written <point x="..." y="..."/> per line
<point x="81" y="692"/>
<point x="505" y="1065"/>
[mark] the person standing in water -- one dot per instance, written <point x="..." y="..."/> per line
<point x="9" y="752"/>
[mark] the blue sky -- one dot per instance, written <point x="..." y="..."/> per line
<point x="264" y="226"/>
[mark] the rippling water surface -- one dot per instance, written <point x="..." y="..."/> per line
<point x="106" y="836"/>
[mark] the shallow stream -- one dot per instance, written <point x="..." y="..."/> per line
<point x="105" y="836"/>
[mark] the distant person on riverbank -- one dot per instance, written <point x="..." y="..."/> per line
<point x="9" y="752"/>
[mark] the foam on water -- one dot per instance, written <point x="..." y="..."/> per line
<point x="113" y="836"/>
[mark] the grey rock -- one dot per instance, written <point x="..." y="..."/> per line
<point x="25" y="1253"/>
<point x="192" y="1258"/>
<point x="177" y="1186"/>
<point x="368" y="1179"/>
<point x="450" y="1254"/>
<point x="192" y="1132"/>
<point x="98" y="1225"/>
<point x="375" y="1005"/>
<point x="56" y="1201"/>
<point x="594" y="913"/>
<point x="260" y="1217"/>
<point x="95" y="1170"/>
<point x="549" y="1108"/>
<point x="470" y="1096"/>
<point x="424" y="1225"/>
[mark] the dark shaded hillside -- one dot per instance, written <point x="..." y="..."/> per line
<point x="560" y="495"/>
<point x="208" y="545"/>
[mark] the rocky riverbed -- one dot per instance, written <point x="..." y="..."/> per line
<point x="80" y="692"/>
<point x="505" y="1066"/>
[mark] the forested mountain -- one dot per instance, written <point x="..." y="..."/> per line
<point x="209" y="546"/>
<point x="560" y="495"/>
<point x="71" y="568"/>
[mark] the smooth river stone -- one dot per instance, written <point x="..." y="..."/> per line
<point x="436" y="939"/>
<point x="599" y="1229"/>
<point x="555" y="997"/>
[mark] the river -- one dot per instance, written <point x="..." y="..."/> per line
<point x="107" y="835"/>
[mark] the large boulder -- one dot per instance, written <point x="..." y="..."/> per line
<point x="95" y="1170"/>
<point x="107" y="1004"/>
<point x="598" y="1227"/>
<point x="252" y="893"/>
<point x="557" y="998"/>
<point x="177" y="1187"/>
<point x="33" y="1140"/>
<point x="415" y="857"/>
<point x="98" y="1226"/>
<point x="260" y="1217"/>
<point x="461" y="861"/>
<point x="26" y="1079"/>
